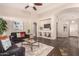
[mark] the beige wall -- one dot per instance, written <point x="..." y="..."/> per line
<point x="68" y="16"/>
<point x="53" y="23"/>
<point x="61" y="31"/>
<point x="12" y="14"/>
<point x="27" y="25"/>
<point x="65" y="18"/>
<point x="29" y="18"/>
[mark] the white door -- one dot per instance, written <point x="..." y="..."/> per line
<point x="74" y="29"/>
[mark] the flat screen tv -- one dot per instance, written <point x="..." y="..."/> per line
<point x="47" y="26"/>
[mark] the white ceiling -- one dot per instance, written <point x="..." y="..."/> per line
<point x="40" y="9"/>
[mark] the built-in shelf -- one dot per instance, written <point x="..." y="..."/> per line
<point x="45" y="28"/>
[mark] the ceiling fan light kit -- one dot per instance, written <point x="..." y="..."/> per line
<point x="33" y="5"/>
<point x="34" y="8"/>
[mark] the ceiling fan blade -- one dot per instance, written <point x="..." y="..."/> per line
<point x="34" y="8"/>
<point x="26" y="7"/>
<point x="38" y="4"/>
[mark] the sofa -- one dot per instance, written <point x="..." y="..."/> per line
<point x="14" y="51"/>
<point x="9" y="49"/>
<point x="18" y="36"/>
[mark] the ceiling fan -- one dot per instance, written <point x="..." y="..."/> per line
<point x="33" y="5"/>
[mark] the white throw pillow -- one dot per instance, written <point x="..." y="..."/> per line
<point x="18" y="35"/>
<point x="6" y="43"/>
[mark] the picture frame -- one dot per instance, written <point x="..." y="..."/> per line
<point x="18" y="25"/>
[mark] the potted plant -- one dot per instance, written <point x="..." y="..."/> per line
<point x="3" y="26"/>
<point x="28" y="30"/>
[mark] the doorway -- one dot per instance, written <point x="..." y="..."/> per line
<point x="35" y="30"/>
<point x="63" y="29"/>
<point x="66" y="29"/>
<point x="73" y="28"/>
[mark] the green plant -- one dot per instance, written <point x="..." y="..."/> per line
<point x="3" y="25"/>
<point x="28" y="30"/>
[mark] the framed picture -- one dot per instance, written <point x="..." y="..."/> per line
<point x="65" y="27"/>
<point x="18" y="25"/>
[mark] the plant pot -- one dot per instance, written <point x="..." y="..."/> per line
<point x="2" y="37"/>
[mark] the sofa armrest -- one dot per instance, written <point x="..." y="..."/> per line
<point x="4" y="54"/>
<point x="14" y="50"/>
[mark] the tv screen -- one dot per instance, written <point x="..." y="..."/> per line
<point x="6" y="43"/>
<point x="46" y="25"/>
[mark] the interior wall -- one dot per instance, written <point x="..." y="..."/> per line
<point x="28" y="19"/>
<point x="12" y="14"/>
<point x="10" y="21"/>
<point x="54" y="13"/>
<point x="46" y="16"/>
<point x="63" y="28"/>
<point x="68" y="16"/>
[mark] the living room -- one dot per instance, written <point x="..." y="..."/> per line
<point x="39" y="29"/>
<point x="20" y="25"/>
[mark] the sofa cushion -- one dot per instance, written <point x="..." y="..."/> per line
<point x="18" y="35"/>
<point x="22" y="34"/>
<point x="5" y="44"/>
<point x="14" y="35"/>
